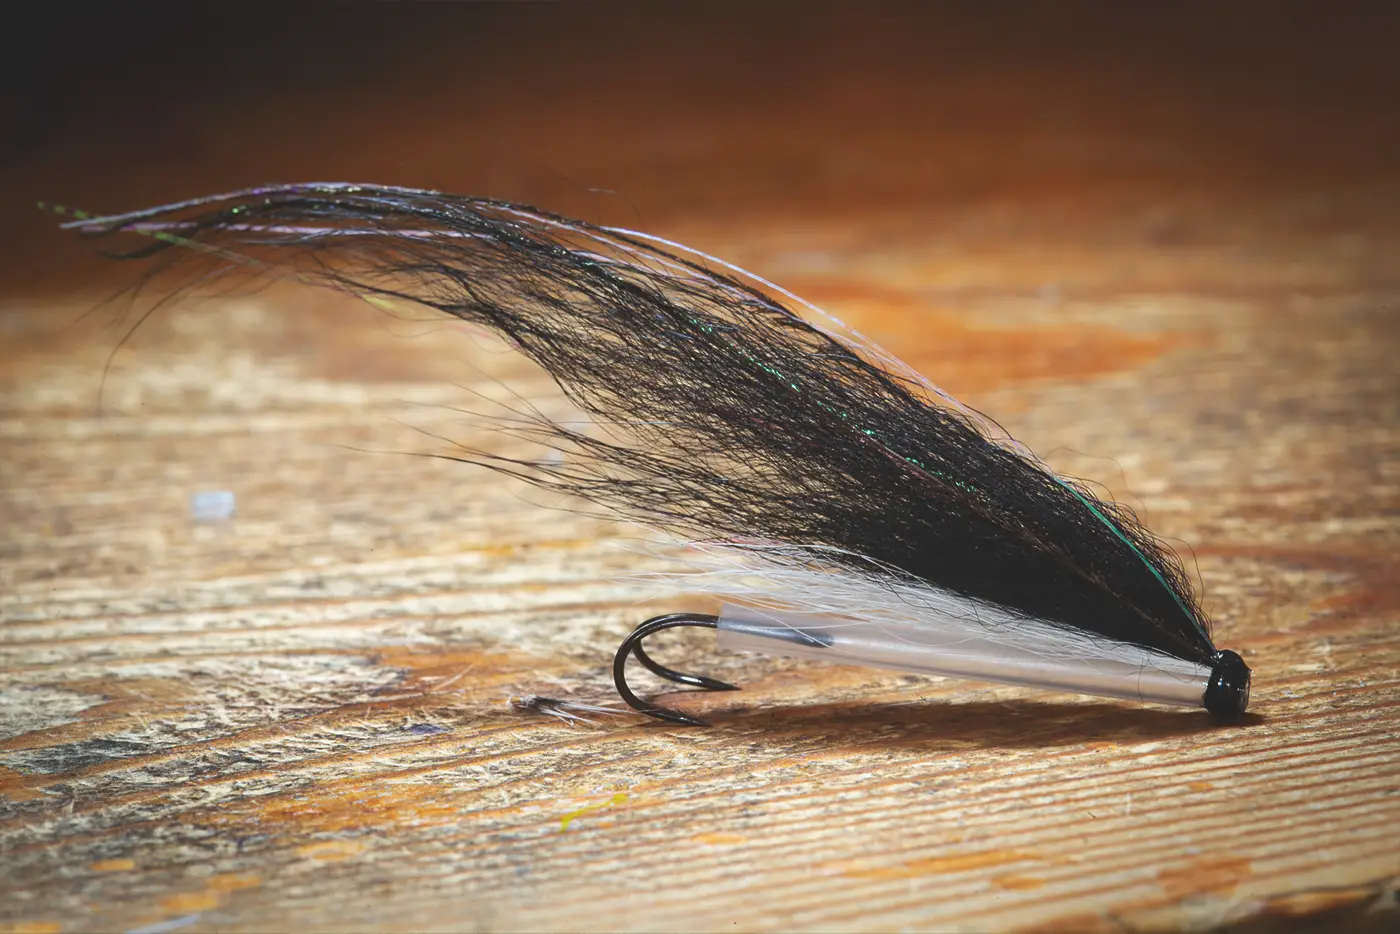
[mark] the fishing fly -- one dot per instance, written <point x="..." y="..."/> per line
<point x="840" y="506"/>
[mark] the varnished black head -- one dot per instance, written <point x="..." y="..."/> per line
<point x="1227" y="695"/>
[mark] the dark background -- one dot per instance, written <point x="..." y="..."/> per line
<point x="690" y="113"/>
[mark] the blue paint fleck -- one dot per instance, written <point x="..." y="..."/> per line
<point x="427" y="729"/>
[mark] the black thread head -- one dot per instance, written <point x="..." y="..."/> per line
<point x="1227" y="695"/>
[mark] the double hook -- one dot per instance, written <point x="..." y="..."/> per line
<point x="632" y="645"/>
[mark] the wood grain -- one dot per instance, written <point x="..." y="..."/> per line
<point x="1168" y="260"/>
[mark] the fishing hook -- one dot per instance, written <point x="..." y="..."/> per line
<point x="632" y="645"/>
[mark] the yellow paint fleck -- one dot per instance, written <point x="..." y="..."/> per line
<point x="113" y="865"/>
<point x="32" y="927"/>
<point x="328" y="851"/>
<point x="719" y="839"/>
<point x="569" y="818"/>
<point x="191" y="902"/>
<point x="1200" y="786"/>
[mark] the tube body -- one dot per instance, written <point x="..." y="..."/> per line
<point x="1069" y="662"/>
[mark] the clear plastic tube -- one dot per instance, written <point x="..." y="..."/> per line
<point x="1069" y="663"/>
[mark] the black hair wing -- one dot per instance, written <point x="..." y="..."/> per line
<point x="726" y="414"/>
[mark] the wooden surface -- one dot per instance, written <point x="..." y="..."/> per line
<point x="1164" y="253"/>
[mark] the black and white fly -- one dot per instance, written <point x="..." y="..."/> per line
<point x="840" y="505"/>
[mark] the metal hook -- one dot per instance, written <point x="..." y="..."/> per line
<point x="632" y="645"/>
